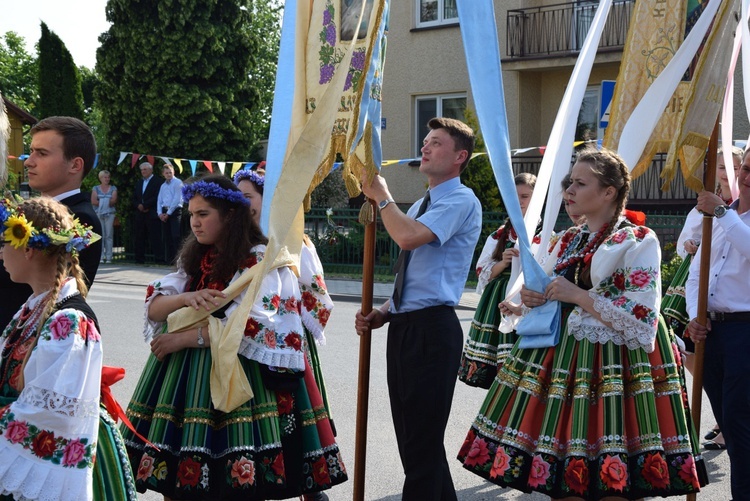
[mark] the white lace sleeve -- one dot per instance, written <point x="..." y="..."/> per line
<point x="626" y="271"/>
<point x="174" y="283"/>
<point x="485" y="263"/>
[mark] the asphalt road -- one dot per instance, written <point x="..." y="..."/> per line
<point x="120" y="312"/>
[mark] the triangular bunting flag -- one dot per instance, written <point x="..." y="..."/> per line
<point x="193" y="164"/>
<point x="178" y="163"/>
<point x="150" y="159"/>
<point x="221" y="166"/>
<point x="134" y="159"/>
<point x="209" y="165"/>
<point x="235" y="167"/>
<point x="96" y="160"/>
<point x="123" y="154"/>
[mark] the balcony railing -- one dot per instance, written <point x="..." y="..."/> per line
<point x="561" y="28"/>
<point x="645" y="191"/>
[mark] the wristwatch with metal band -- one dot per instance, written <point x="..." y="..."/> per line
<point x="720" y="210"/>
<point x="382" y="205"/>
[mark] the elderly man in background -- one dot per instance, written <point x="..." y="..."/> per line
<point x="146" y="224"/>
<point x="169" y="203"/>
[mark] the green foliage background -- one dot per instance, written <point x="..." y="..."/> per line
<point x="478" y="174"/>
<point x="59" y="82"/>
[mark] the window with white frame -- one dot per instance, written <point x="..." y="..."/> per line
<point x="436" y="12"/>
<point x="427" y="107"/>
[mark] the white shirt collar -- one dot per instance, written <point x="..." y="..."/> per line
<point x="63" y="196"/>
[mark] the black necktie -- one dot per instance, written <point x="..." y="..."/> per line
<point x="403" y="259"/>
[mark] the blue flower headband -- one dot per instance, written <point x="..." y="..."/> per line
<point x="249" y="175"/>
<point x="213" y="190"/>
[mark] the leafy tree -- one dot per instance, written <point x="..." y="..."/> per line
<point x="89" y="81"/>
<point x="478" y="174"/>
<point x="266" y="21"/>
<point x="59" y="81"/>
<point x="18" y="72"/>
<point x="331" y="193"/>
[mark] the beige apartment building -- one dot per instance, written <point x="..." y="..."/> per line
<point x="426" y="76"/>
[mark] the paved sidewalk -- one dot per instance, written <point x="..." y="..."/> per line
<point x="340" y="290"/>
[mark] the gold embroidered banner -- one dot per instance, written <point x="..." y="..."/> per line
<point x="334" y="24"/>
<point x="703" y="100"/>
<point x="657" y="28"/>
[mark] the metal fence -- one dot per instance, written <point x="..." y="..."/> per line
<point x="339" y="238"/>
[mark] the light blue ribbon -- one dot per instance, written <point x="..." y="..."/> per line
<point x="480" y="39"/>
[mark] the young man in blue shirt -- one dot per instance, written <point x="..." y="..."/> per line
<point x="437" y="237"/>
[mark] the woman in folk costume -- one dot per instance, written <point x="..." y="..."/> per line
<point x="316" y="302"/>
<point x="264" y="448"/>
<point x="673" y="306"/>
<point x="601" y="414"/>
<point x="486" y="347"/>
<point x="56" y="441"/>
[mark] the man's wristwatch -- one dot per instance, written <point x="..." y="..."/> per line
<point x="201" y="342"/>
<point x="382" y="205"/>
<point x="720" y="210"/>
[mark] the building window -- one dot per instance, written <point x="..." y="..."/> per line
<point x="427" y="107"/>
<point x="588" y="117"/>
<point x="436" y="12"/>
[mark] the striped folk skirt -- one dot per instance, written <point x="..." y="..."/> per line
<point x="589" y="420"/>
<point x="674" y="304"/>
<point x="277" y="445"/>
<point x="486" y="347"/>
<point x="113" y="476"/>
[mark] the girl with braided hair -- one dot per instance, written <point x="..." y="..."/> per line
<point x="56" y="441"/>
<point x="486" y="347"/>
<point x="601" y="414"/>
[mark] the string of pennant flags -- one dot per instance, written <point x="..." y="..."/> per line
<point x="235" y="166"/>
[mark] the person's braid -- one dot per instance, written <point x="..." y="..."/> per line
<point x="60" y="276"/>
<point x="75" y="271"/>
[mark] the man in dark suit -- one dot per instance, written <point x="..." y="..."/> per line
<point x="63" y="150"/>
<point x="146" y="223"/>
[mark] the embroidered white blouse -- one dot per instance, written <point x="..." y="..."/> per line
<point x="48" y="435"/>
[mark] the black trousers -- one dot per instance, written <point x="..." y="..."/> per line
<point x="172" y="234"/>
<point x="423" y="354"/>
<point x="147" y="227"/>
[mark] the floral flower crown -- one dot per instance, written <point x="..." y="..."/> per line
<point x="249" y="175"/>
<point x="213" y="190"/>
<point x="19" y="232"/>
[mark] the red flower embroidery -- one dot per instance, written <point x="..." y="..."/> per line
<point x="614" y="473"/>
<point x="655" y="471"/>
<point x="73" y="453"/>
<point x="479" y="271"/>
<point x="44" y="444"/>
<point x="640" y="232"/>
<point x="276" y="301"/>
<point x="619" y="281"/>
<point x="479" y="453"/>
<point x="577" y="475"/>
<point x="501" y="463"/>
<point x="250" y="261"/>
<point x="619" y="237"/>
<point x="270" y="339"/>
<point x="688" y="474"/>
<point x="278" y="465"/>
<point x="323" y="314"/>
<point x="640" y="278"/>
<point x="243" y="471"/>
<point x="320" y="472"/>
<point x="149" y="292"/>
<point x="189" y="472"/>
<point x="16" y="432"/>
<point x="467" y="444"/>
<point x="252" y="327"/>
<point x="537" y="239"/>
<point x="539" y="472"/>
<point x="284" y="402"/>
<point x="294" y="341"/>
<point x="309" y="300"/>
<point x="291" y="304"/>
<point x="61" y="327"/>
<point x="640" y="311"/>
<point x="321" y="283"/>
<point x="146" y="468"/>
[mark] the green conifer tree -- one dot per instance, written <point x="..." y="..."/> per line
<point x="59" y="81"/>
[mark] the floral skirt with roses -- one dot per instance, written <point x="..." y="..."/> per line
<point x="277" y="445"/>
<point x="588" y="420"/>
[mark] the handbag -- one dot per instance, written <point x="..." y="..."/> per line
<point x="540" y="327"/>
